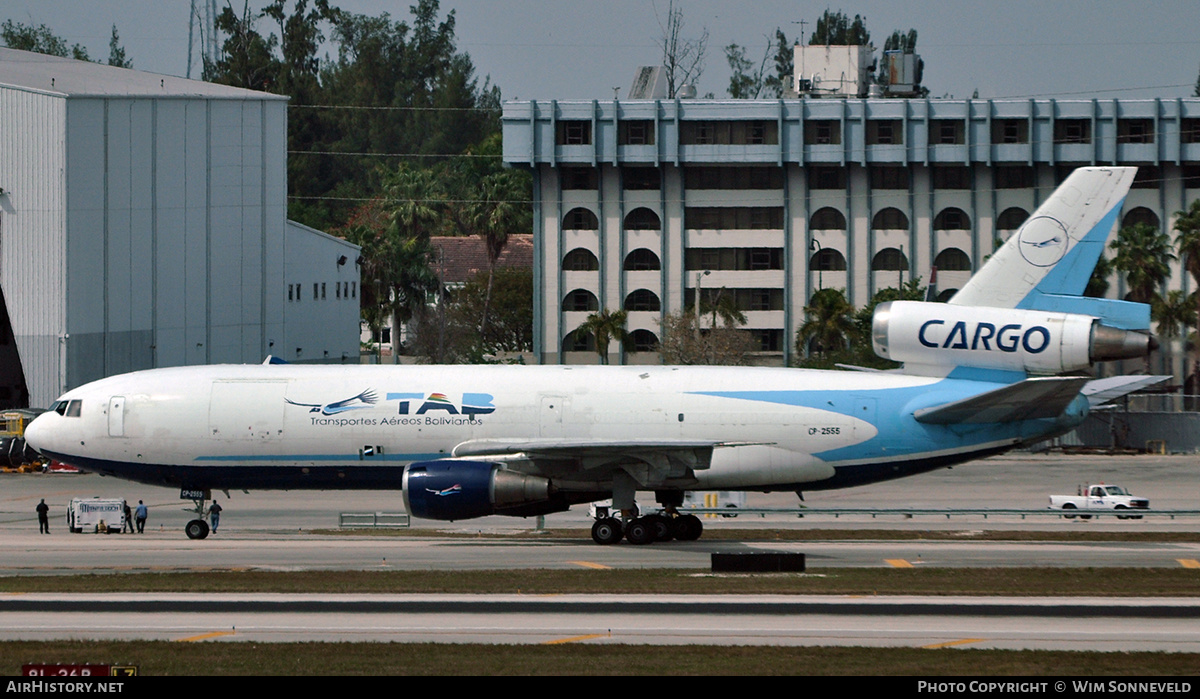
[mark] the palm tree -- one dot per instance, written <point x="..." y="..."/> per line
<point x="829" y="323"/>
<point x="1142" y="254"/>
<point x="1187" y="225"/>
<point x="605" y="326"/>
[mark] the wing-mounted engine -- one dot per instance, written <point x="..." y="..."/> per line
<point x="1006" y="339"/>
<point x="454" y="490"/>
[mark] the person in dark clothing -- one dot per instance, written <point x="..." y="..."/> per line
<point x="127" y="525"/>
<point x="43" y="513"/>
<point x="214" y="515"/>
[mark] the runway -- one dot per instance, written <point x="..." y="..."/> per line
<point x="1001" y="623"/>
<point x="275" y="531"/>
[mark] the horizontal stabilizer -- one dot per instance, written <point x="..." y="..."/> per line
<point x="1031" y="399"/>
<point x="1101" y="391"/>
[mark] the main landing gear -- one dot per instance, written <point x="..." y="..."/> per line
<point x="609" y="529"/>
<point x="198" y="528"/>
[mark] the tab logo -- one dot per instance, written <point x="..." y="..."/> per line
<point x="472" y="403"/>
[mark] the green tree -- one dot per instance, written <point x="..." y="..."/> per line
<point x="247" y="58"/>
<point x="40" y="39"/>
<point x="837" y="29"/>
<point x="1142" y="253"/>
<point x="1187" y="241"/>
<point x="1097" y="286"/>
<point x="451" y="335"/>
<point x="828" y="325"/>
<point x="116" y="52"/>
<point x="749" y="82"/>
<point x="605" y="326"/>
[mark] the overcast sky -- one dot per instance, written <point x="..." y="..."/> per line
<point x="582" y="49"/>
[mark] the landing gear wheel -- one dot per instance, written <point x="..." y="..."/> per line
<point x="661" y="524"/>
<point x="197" y="529"/>
<point x="607" y="531"/>
<point x="688" y="527"/>
<point x="640" y="531"/>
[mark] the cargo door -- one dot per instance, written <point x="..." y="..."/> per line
<point x="247" y="410"/>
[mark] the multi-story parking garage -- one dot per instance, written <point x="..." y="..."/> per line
<point x="639" y="203"/>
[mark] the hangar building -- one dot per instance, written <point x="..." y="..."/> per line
<point x="143" y="223"/>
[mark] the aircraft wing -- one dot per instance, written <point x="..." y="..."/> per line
<point x="1101" y="391"/>
<point x="1042" y="397"/>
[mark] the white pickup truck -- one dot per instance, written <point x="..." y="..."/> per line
<point x="1100" y="497"/>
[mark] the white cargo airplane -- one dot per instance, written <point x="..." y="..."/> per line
<point x="981" y="375"/>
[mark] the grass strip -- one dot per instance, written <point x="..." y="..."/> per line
<point x="1116" y="582"/>
<point x="160" y="658"/>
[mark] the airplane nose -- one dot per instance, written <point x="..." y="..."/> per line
<point x="36" y="433"/>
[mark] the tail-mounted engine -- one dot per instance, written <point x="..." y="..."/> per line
<point x="453" y="490"/>
<point x="1039" y="342"/>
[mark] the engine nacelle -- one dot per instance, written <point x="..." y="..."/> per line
<point x="1039" y="342"/>
<point x="453" y="490"/>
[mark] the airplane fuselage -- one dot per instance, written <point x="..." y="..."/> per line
<point x="332" y="427"/>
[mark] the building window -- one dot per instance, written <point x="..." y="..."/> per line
<point x="826" y="177"/>
<point x="827" y="260"/>
<point x="337" y="290"/>
<point x="951" y="177"/>
<point x="822" y="133"/>
<point x="315" y="290"/>
<point x="580" y="219"/>
<point x="733" y="177"/>
<point x="733" y="259"/>
<point x="890" y="219"/>
<point x="1135" y="131"/>
<point x="952" y="220"/>
<point x="353" y="290"/>
<point x="642" y="260"/>
<point x="1140" y="215"/>
<point x="733" y="217"/>
<point x="1147" y="177"/>
<point x="1011" y="219"/>
<point x="579" y="342"/>
<point x="889" y="177"/>
<point x="889" y="260"/>
<point x="738" y="133"/>
<point x="290" y="291"/>
<point x="586" y="178"/>
<point x="885" y="132"/>
<point x="322" y="291"/>
<point x="1010" y="131"/>
<point x="642" y="300"/>
<point x="1191" y="176"/>
<point x="581" y="300"/>
<point x="1073" y="131"/>
<point x="641" y="178"/>
<point x="827" y="219"/>
<point x="952" y="260"/>
<point x="1013" y="176"/>
<point x="767" y="340"/>
<point x="580" y="260"/>
<point x="1189" y="130"/>
<point x="946" y="131"/>
<point x="641" y="340"/>
<point x="642" y="219"/>
<point x="636" y="133"/>
<point x="574" y="133"/>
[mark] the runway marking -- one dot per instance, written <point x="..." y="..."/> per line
<point x="205" y="636"/>
<point x="898" y="563"/>
<point x="589" y="564"/>
<point x="959" y="642"/>
<point x="1188" y="562"/>
<point x="576" y="639"/>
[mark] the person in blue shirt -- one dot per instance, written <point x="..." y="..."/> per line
<point x="140" y="515"/>
<point x="214" y="515"/>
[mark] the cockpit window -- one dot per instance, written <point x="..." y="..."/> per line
<point x="67" y="408"/>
